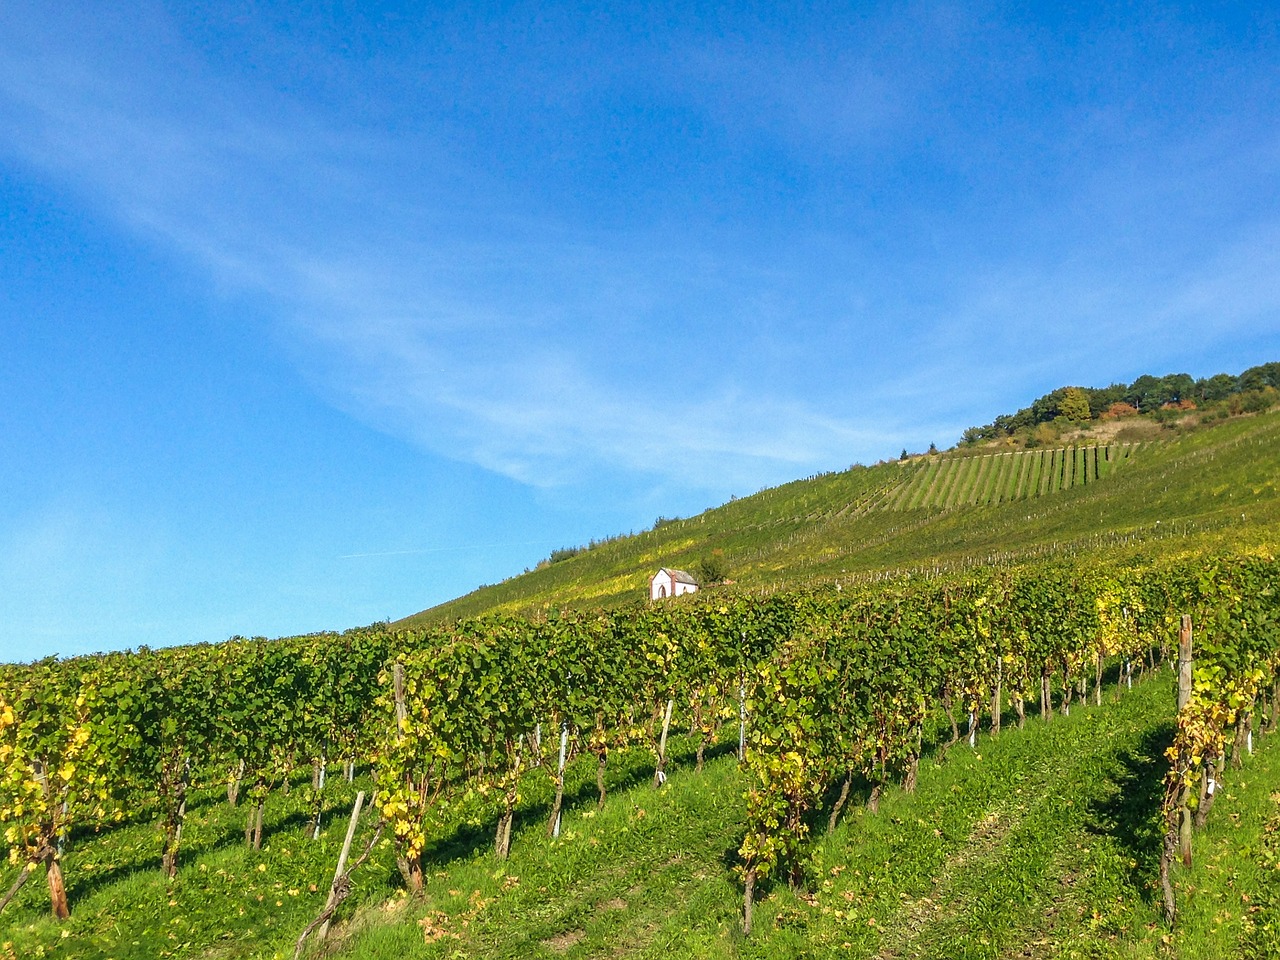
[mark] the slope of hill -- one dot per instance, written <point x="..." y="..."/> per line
<point x="937" y="511"/>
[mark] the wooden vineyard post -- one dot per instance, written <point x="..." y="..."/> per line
<point x="553" y="824"/>
<point x="318" y="775"/>
<point x="659" y="776"/>
<point x="342" y="860"/>
<point x="564" y="743"/>
<point x="997" y="706"/>
<point x="840" y="802"/>
<point x="340" y="889"/>
<point x="602" y="758"/>
<point x="256" y="814"/>
<point x="1184" y="697"/>
<point x="1097" y="682"/>
<point x="1177" y="838"/>
<point x="397" y="685"/>
<point x="1184" y="662"/>
<point x="1166" y="884"/>
<point x="233" y="784"/>
<point x="1184" y="833"/>
<point x="57" y="889"/>
<point x="742" y="722"/>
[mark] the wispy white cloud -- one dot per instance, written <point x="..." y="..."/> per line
<point x="1015" y="330"/>
<point x="541" y="416"/>
<point x="496" y="350"/>
<point x="481" y="326"/>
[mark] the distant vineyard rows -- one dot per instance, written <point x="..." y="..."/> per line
<point x="947" y="482"/>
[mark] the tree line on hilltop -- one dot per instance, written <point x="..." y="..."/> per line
<point x="1254" y="390"/>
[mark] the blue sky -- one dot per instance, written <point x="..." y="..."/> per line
<point x="310" y="318"/>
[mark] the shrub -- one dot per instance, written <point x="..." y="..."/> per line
<point x="1119" y="409"/>
<point x="711" y="569"/>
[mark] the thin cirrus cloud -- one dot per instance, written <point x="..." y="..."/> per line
<point x="538" y="417"/>
<point x="533" y="385"/>
<point x="423" y="293"/>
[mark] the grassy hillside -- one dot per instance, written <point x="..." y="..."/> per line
<point x="938" y="511"/>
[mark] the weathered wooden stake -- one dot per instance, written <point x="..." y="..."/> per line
<point x="233" y="785"/>
<point x="57" y="889"/>
<point x="603" y="759"/>
<point x="1166" y="882"/>
<point x="997" y="704"/>
<point x="1184" y="662"/>
<point x="1184" y="835"/>
<point x="257" y="825"/>
<point x="397" y="682"/>
<point x="844" y="795"/>
<point x="342" y="860"/>
<point x="553" y="827"/>
<point x="659" y="777"/>
<point x="742" y="721"/>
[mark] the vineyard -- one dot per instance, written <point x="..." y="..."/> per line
<point x="947" y="482"/>
<point x="825" y="700"/>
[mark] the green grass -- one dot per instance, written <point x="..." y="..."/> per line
<point x="227" y="901"/>
<point x="1040" y="842"/>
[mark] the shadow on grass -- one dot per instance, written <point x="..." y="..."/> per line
<point x="464" y="841"/>
<point x="1129" y="812"/>
<point x="146" y="860"/>
<point x="469" y="839"/>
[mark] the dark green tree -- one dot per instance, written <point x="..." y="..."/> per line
<point x="711" y="569"/>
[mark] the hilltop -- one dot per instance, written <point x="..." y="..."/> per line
<point x="1176" y="397"/>
<point x="1112" y="481"/>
